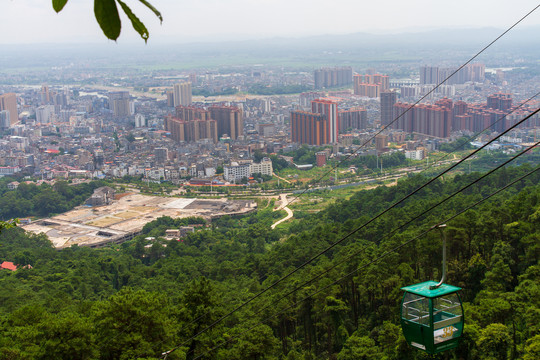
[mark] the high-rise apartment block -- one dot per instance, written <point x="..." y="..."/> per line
<point x="230" y="120"/>
<point x="318" y="127"/>
<point x="44" y="114"/>
<point x="355" y="118"/>
<point x="162" y="155"/>
<point x="170" y="98"/>
<point x="307" y="97"/>
<point x="191" y="131"/>
<point x="381" y="141"/>
<point x="182" y="94"/>
<point x="370" y="85"/>
<point x="192" y="123"/>
<point x="189" y="113"/>
<point x="8" y="102"/>
<point x="436" y="75"/>
<point x="429" y="75"/>
<point x="4" y="119"/>
<point x="499" y="101"/>
<point x="329" y="108"/>
<point x="332" y="77"/>
<point x="388" y="99"/>
<point x="444" y="117"/>
<point x="140" y="121"/>
<point x="309" y="128"/>
<point x="119" y="103"/>
<point x="45" y="95"/>
<point x="434" y="120"/>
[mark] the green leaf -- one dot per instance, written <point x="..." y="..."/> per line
<point x="107" y="17"/>
<point x="58" y="5"/>
<point x="151" y="7"/>
<point x="137" y="24"/>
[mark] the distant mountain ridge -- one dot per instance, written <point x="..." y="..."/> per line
<point x="428" y="46"/>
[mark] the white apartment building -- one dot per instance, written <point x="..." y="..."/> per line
<point x="237" y="171"/>
<point x="265" y="167"/>
<point x="417" y="154"/>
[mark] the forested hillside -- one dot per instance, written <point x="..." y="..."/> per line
<point x="133" y="301"/>
<point x="44" y="200"/>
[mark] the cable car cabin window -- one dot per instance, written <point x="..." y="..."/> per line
<point x="416" y="309"/>
<point x="447" y="317"/>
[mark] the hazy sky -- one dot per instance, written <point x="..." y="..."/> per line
<point x="34" y="21"/>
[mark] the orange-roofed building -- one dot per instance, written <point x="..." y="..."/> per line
<point x="8" y="265"/>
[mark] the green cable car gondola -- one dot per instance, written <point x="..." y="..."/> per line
<point x="432" y="313"/>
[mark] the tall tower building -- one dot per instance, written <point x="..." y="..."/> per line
<point x="191" y="131"/>
<point x="44" y="114"/>
<point x="309" y="128"/>
<point x="388" y="99"/>
<point x="370" y="85"/>
<point x="188" y="113"/>
<point x="329" y="108"/>
<point x="119" y="103"/>
<point x="8" y="102"/>
<point x="45" y="95"/>
<point x="499" y="101"/>
<point x="170" y="98"/>
<point x="140" y="121"/>
<point x="331" y="77"/>
<point x="182" y="94"/>
<point x="429" y="75"/>
<point x="230" y="120"/>
<point x="162" y="155"/>
<point x="4" y="119"/>
<point x="354" y="118"/>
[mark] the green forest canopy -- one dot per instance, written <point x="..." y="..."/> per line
<point x="135" y="301"/>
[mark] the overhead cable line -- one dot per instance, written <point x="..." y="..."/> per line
<point x="366" y="142"/>
<point x="356" y="230"/>
<point x="388" y="235"/>
<point x="425" y="232"/>
<point x="395" y="204"/>
<point x="415" y="103"/>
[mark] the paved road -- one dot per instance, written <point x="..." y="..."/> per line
<point x="279" y="177"/>
<point x="283" y="205"/>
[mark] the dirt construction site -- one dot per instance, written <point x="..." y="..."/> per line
<point x="125" y="218"/>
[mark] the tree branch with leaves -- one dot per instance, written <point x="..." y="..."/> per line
<point x="108" y="18"/>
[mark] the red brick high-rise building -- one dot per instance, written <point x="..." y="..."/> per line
<point x="189" y="113"/>
<point x="318" y="127"/>
<point x="191" y="131"/>
<point x="370" y="85"/>
<point x="499" y="101"/>
<point x="444" y="117"/>
<point x="329" y="108"/>
<point x="433" y="120"/>
<point x="309" y="128"/>
<point x="321" y="158"/>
